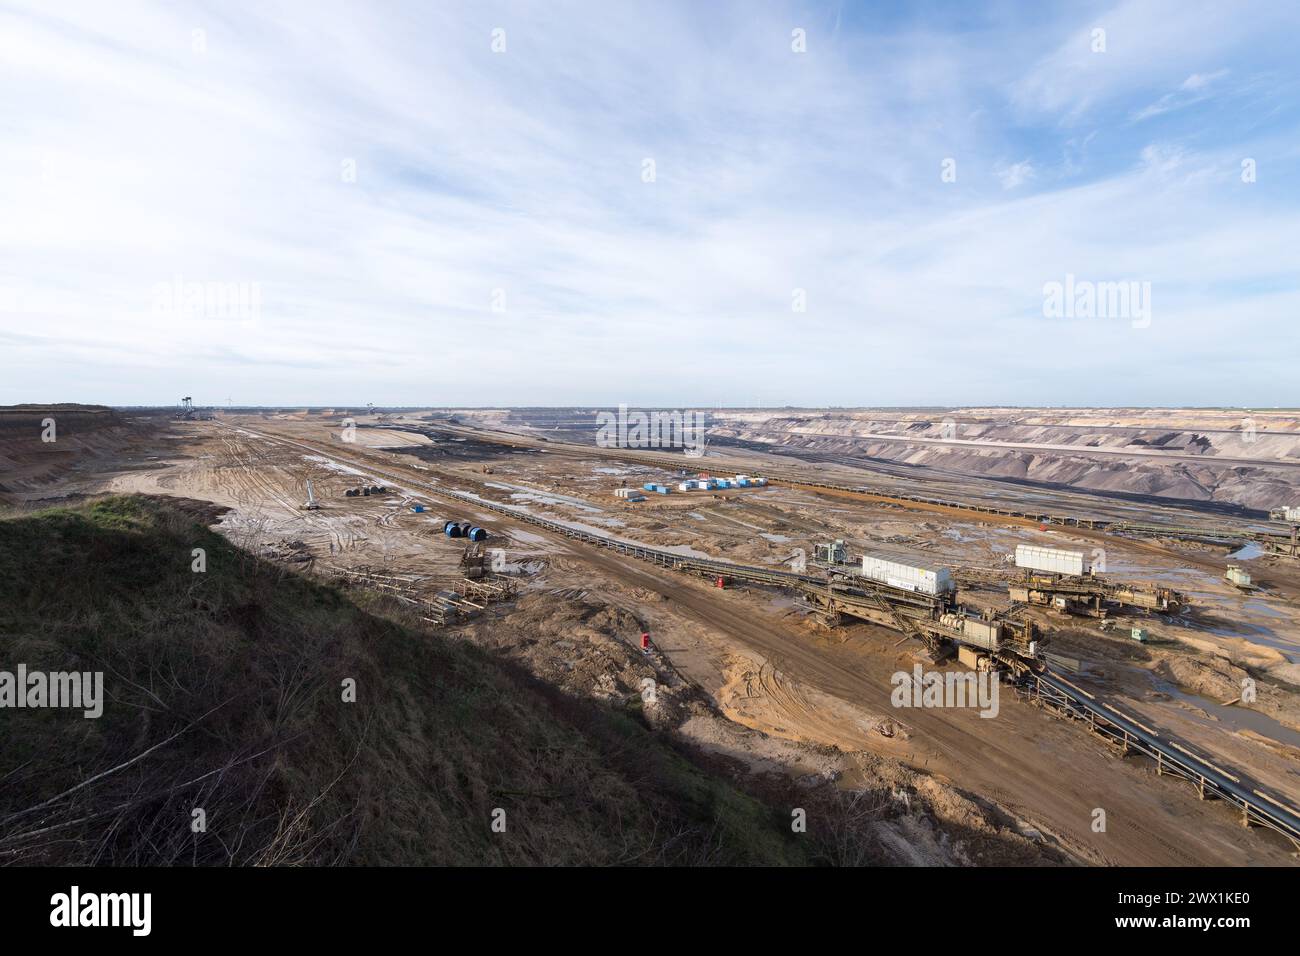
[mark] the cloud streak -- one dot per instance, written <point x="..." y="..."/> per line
<point x="428" y="221"/>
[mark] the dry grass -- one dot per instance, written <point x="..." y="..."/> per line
<point x="224" y="694"/>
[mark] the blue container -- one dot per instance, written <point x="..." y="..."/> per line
<point x="418" y="509"/>
<point x="649" y="486"/>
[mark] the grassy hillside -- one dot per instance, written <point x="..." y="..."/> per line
<point x="224" y="693"/>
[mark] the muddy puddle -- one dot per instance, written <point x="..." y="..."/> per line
<point x="1233" y="717"/>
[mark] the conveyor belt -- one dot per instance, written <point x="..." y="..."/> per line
<point x="1226" y="535"/>
<point x="858" y="598"/>
<point x="1051" y="689"/>
<point x="739" y="572"/>
<point x="1171" y="757"/>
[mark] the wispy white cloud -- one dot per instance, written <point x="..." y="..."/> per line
<point x="1016" y="174"/>
<point x="1193" y="90"/>
<point x="1110" y="54"/>
<point x="1199" y="81"/>
<point x="500" y="243"/>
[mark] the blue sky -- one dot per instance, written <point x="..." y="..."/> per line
<point x="414" y="217"/>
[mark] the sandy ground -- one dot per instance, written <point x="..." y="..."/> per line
<point x="1223" y="456"/>
<point x="796" y="696"/>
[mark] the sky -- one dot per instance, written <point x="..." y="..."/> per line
<point x="671" y="205"/>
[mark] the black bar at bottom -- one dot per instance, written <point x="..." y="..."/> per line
<point x="220" y="906"/>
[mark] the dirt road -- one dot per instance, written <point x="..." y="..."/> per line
<point x="1287" y="582"/>
<point x="1049" y="773"/>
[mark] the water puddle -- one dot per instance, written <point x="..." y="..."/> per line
<point x="1251" y="550"/>
<point x="1234" y="717"/>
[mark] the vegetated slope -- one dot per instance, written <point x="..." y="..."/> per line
<point x="223" y="693"/>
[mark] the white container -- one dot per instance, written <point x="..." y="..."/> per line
<point x="685" y="486"/>
<point x="1053" y="560"/>
<point x="906" y="577"/>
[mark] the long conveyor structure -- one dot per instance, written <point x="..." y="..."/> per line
<point x="929" y="619"/>
<point x="1285" y="542"/>
<point x="1171" y="757"/>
